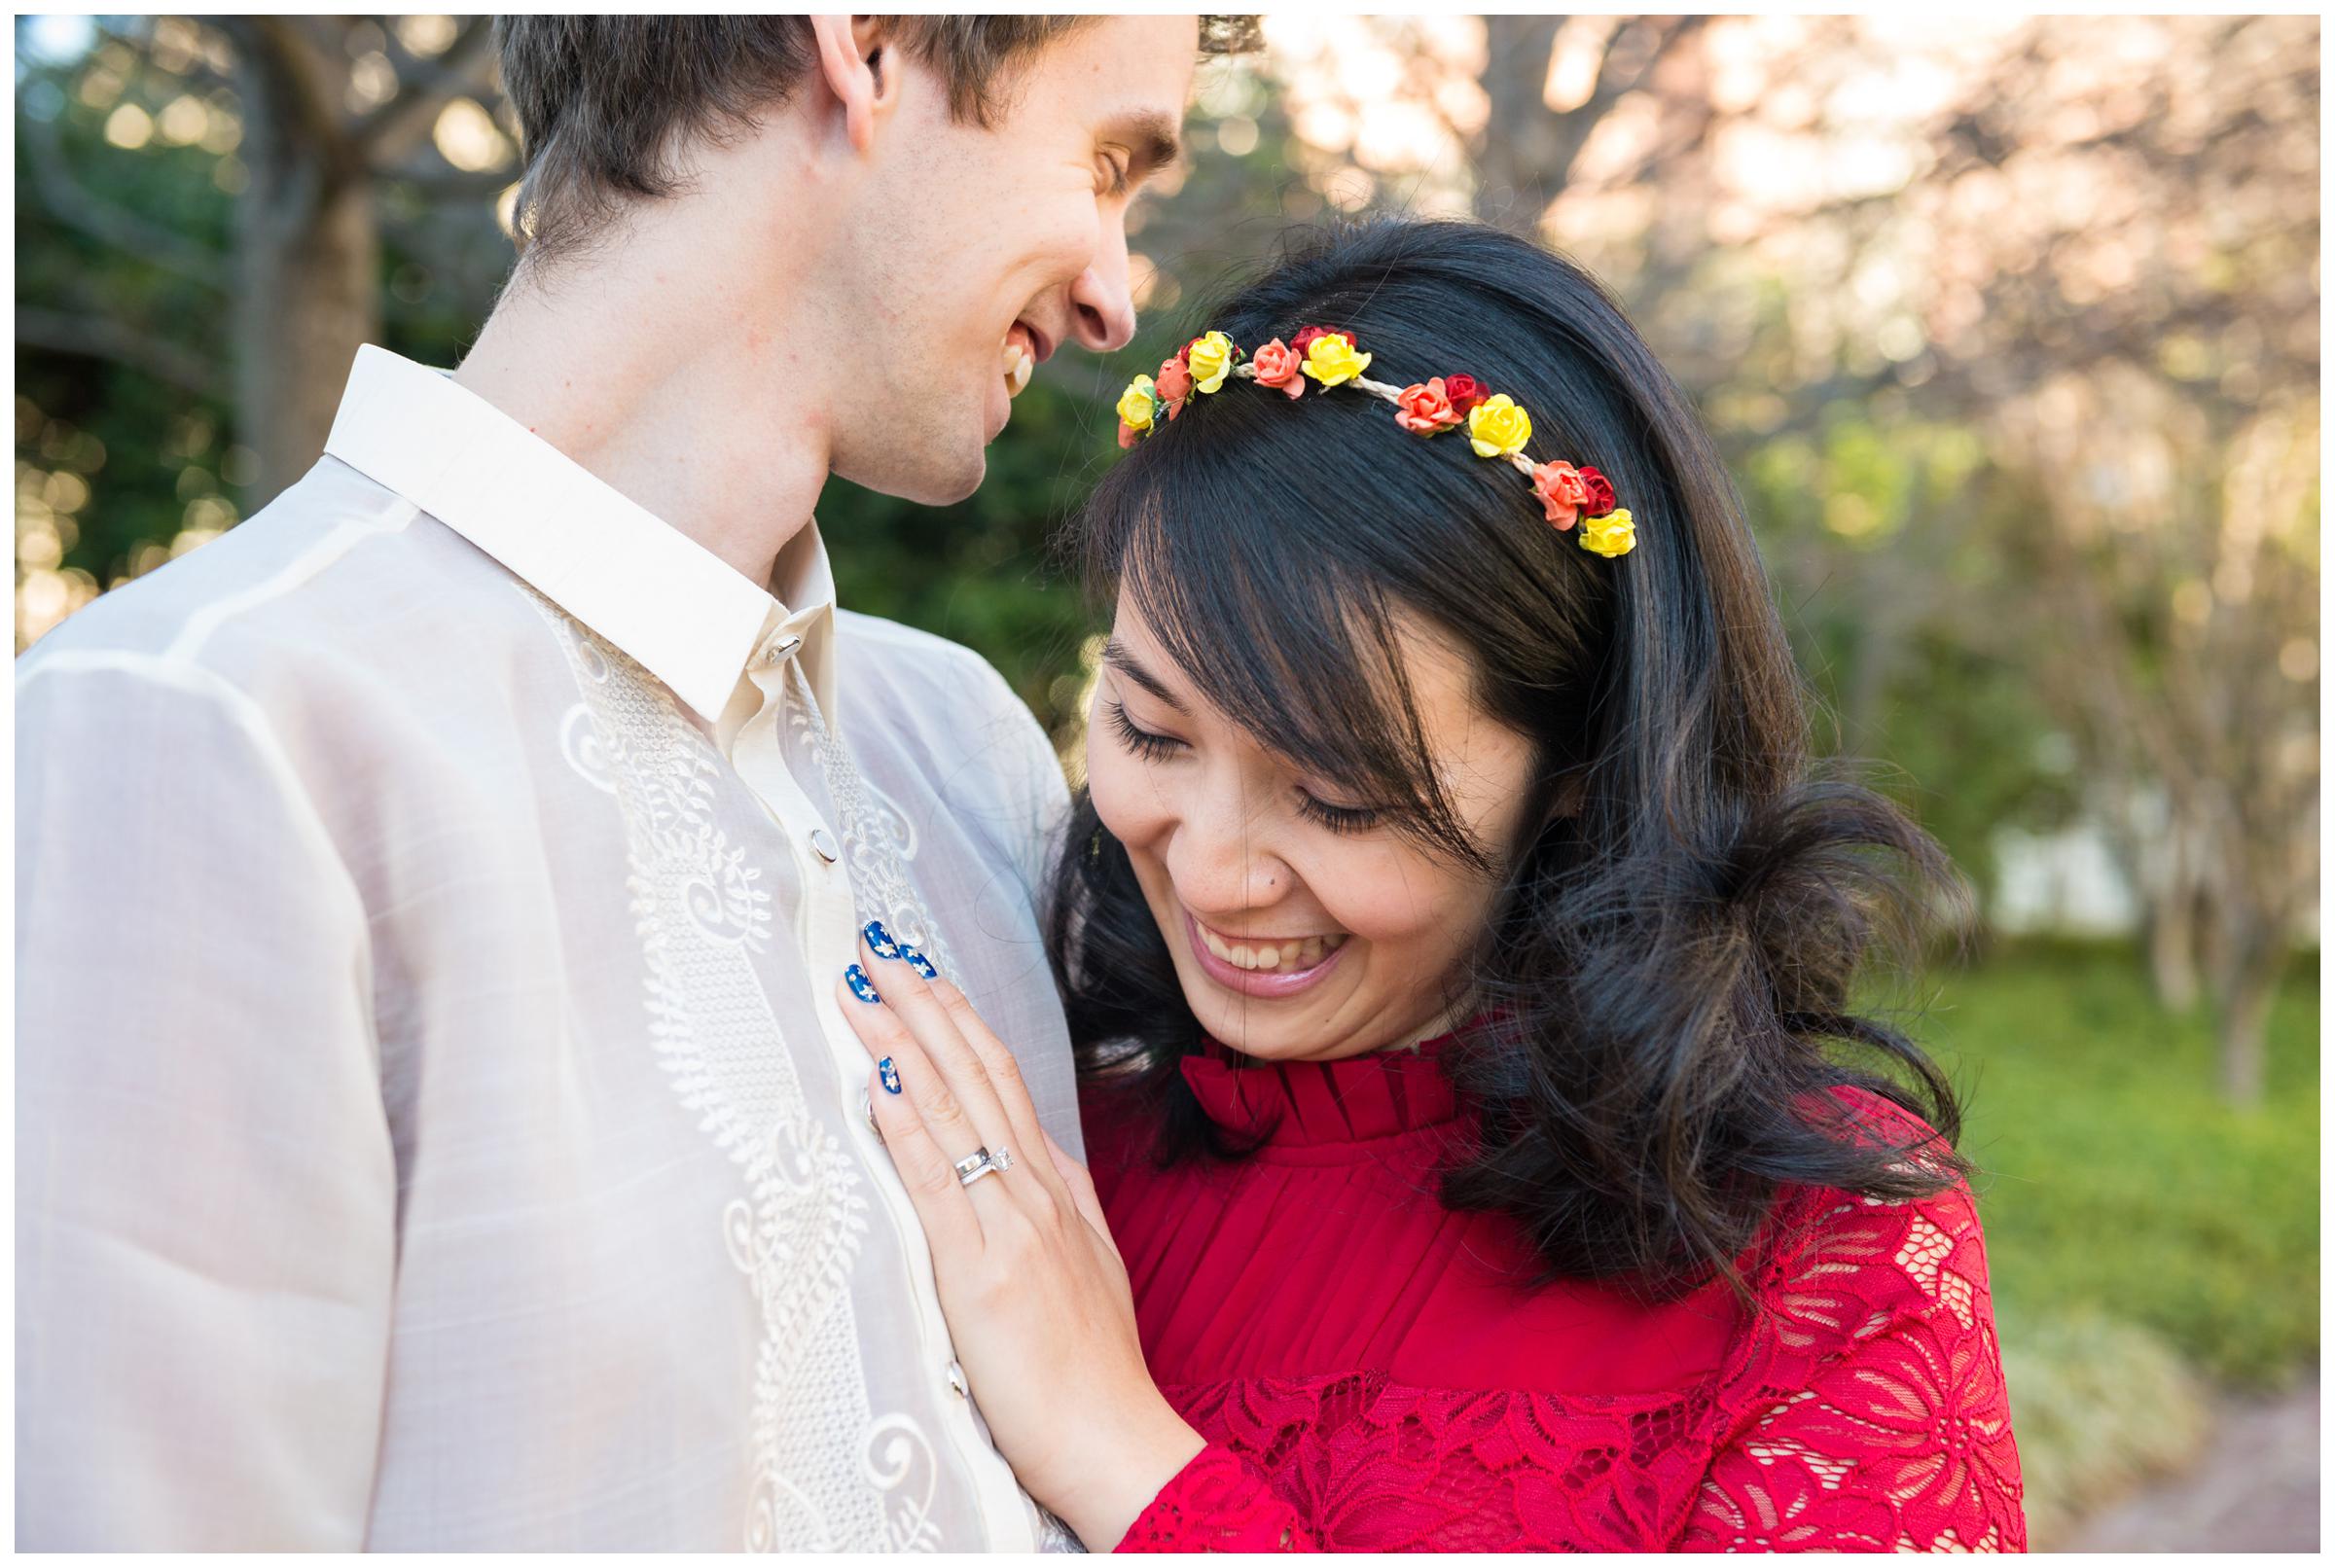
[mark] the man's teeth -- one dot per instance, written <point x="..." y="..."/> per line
<point x="1272" y="955"/>
<point x="1019" y="367"/>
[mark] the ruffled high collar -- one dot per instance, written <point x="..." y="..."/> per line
<point x="1309" y="1103"/>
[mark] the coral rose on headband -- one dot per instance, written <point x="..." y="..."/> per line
<point x="1276" y="365"/>
<point x="1562" y="493"/>
<point x="1425" y="408"/>
<point x="1175" y="384"/>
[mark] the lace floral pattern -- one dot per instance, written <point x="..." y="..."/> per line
<point x="1216" y="1503"/>
<point x="1864" y="1409"/>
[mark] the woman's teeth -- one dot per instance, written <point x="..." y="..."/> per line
<point x="1019" y="367"/>
<point x="1272" y="955"/>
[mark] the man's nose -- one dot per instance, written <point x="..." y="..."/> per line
<point x="1102" y="304"/>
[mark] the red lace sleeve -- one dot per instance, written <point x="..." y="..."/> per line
<point x="1219" y="1502"/>
<point x="1875" y="1417"/>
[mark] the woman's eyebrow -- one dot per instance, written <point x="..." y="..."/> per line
<point x="1115" y="655"/>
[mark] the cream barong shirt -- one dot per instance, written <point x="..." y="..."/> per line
<point x="435" y="1128"/>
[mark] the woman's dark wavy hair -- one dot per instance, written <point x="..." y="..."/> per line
<point x="1663" y="987"/>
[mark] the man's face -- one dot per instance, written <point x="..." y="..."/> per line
<point x="979" y="252"/>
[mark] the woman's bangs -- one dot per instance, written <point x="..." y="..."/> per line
<point x="1289" y="637"/>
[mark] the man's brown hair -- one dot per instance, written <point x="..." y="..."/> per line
<point x="604" y="102"/>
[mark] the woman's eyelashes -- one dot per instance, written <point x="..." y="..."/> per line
<point x="1336" y="818"/>
<point x="1143" y="744"/>
<point x="1154" y="747"/>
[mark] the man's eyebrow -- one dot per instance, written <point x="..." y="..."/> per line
<point x="1155" y="140"/>
<point x="1115" y="655"/>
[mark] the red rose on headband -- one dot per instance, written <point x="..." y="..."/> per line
<point x="1425" y="408"/>
<point x="1173" y="384"/>
<point x="1464" y="391"/>
<point x="1601" y="492"/>
<point x="1276" y="365"/>
<point x="1304" y="339"/>
<point x="1562" y="493"/>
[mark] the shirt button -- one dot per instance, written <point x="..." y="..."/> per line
<point x="958" y="1384"/>
<point x="824" y="843"/>
<point x="781" y="649"/>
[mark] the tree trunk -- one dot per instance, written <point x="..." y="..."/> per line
<point x="306" y="301"/>
<point x="1517" y="167"/>
<point x="308" y="252"/>
<point x="2173" y="947"/>
<point x="2246" y="1026"/>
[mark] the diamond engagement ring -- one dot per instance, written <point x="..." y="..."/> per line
<point x="981" y="1162"/>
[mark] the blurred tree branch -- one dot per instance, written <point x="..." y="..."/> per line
<point x="111" y="338"/>
<point x="72" y="202"/>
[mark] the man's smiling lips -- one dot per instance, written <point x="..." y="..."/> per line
<point x="1024" y="350"/>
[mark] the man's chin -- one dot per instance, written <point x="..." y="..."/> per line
<point x="929" y="482"/>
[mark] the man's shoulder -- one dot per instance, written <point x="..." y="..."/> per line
<point x="337" y="571"/>
<point x="943" y="683"/>
<point x="947" y="712"/>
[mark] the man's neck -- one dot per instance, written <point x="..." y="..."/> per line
<point x="623" y="377"/>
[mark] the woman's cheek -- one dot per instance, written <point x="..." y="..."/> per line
<point x="1408" y="908"/>
<point x="1122" y="795"/>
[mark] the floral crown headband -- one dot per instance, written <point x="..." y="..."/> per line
<point x="1497" y="425"/>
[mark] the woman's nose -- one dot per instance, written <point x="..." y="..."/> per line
<point x="1221" y="874"/>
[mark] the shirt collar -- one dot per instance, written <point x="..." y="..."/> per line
<point x="678" y="610"/>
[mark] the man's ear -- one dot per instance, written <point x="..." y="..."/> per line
<point x="859" y="63"/>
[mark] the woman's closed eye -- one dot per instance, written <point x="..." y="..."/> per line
<point x="1154" y="747"/>
<point x="1336" y="818"/>
<point x="1144" y="743"/>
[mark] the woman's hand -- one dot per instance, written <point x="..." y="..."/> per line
<point x="1036" y="1297"/>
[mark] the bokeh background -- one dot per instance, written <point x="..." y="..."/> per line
<point x="2010" y="329"/>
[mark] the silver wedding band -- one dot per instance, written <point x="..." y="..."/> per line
<point x="981" y="1162"/>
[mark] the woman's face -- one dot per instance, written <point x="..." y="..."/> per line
<point x="1304" y="926"/>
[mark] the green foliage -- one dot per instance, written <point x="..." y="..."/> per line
<point x="2115" y="1178"/>
<point x="2097" y="1405"/>
<point x="981" y="572"/>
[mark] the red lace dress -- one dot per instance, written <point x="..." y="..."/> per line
<point x="1369" y="1378"/>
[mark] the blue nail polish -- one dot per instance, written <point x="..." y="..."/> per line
<point x="918" y="962"/>
<point x="888" y="1076"/>
<point x="879" y="940"/>
<point x="861" y="986"/>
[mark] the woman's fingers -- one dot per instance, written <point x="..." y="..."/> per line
<point x="943" y="1116"/>
<point x="1080" y="1186"/>
<point x="944" y="1208"/>
<point x="1004" y="1074"/>
<point x="908" y="997"/>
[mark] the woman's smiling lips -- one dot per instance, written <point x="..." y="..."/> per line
<point x="1217" y="955"/>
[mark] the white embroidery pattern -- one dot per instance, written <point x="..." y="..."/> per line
<point x="877" y="835"/>
<point x="828" y="1476"/>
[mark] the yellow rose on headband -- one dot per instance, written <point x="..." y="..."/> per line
<point x="1610" y="535"/>
<point x="1210" y="357"/>
<point x="1331" y="360"/>
<point x="1498" y="426"/>
<point x="1137" y="404"/>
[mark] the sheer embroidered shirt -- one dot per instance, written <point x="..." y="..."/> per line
<point x="435" y="1128"/>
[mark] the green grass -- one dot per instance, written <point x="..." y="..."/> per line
<point x="2115" y="1180"/>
